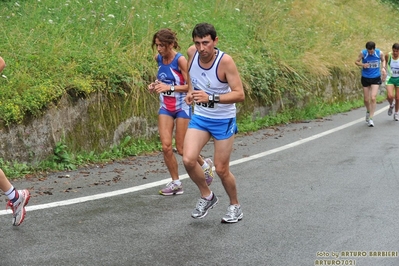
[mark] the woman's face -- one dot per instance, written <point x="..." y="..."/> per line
<point x="163" y="48"/>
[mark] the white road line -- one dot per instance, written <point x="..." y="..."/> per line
<point x="185" y="176"/>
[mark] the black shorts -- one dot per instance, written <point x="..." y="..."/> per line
<point x="366" y="82"/>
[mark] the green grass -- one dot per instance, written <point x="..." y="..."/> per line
<point x="52" y="46"/>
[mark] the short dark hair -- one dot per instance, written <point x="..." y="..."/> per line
<point x="202" y="30"/>
<point x="370" y="45"/>
<point x="395" y="46"/>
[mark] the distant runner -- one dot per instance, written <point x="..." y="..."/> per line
<point x="371" y="60"/>
<point x="392" y="82"/>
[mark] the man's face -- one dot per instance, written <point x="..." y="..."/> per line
<point x="395" y="53"/>
<point x="205" y="46"/>
<point x="371" y="52"/>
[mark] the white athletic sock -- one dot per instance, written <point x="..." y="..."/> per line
<point x="177" y="182"/>
<point x="205" y="166"/>
<point x="10" y="193"/>
<point x="210" y="196"/>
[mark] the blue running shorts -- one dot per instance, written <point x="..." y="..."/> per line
<point x="220" y="129"/>
<point x="176" y="114"/>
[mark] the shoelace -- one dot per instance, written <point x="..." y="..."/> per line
<point x="232" y="210"/>
<point x="201" y="204"/>
<point x="171" y="185"/>
<point x="11" y="206"/>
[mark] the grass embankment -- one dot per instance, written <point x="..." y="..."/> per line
<point x="53" y="46"/>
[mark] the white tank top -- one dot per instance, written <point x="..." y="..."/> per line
<point x="208" y="81"/>
<point x="393" y="67"/>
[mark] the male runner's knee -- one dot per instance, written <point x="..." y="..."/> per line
<point x="189" y="162"/>
<point x="221" y="170"/>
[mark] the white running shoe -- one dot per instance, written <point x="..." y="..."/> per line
<point x="233" y="215"/>
<point x="202" y="207"/>
<point x="18" y="207"/>
<point x="390" y="109"/>
<point x="371" y="123"/>
<point x="172" y="189"/>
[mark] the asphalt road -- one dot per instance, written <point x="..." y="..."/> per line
<point x="321" y="192"/>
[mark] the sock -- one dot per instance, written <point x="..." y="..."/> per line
<point x="177" y="182"/>
<point x="209" y="197"/>
<point x="205" y="166"/>
<point x="12" y="194"/>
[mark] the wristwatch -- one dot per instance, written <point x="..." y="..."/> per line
<point x="216" y="98"/>
<point x="211" y="98"/>
<point x="172" y="88"/>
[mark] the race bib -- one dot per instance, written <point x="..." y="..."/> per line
<point x="208" y="105"/>
<point x="168" y="94"/>
<point x="395" y="72"/>
<point x="374" y="64"/>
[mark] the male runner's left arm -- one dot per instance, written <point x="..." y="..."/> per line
<point x="384" y="66"/>
<point x="228" y="71"/>
<point x="182" y="62"/>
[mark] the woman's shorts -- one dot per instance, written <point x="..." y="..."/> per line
<point x="181" y="113"/>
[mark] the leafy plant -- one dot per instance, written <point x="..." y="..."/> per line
<point x="61" y="158"/>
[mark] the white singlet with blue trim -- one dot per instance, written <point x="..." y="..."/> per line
<point x="208" y="81"/>
<point x="393" y="67"/>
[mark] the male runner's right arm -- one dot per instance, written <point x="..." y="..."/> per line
<point x="359" y="60"/>
<point x="190" y="53"/>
